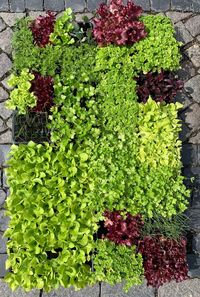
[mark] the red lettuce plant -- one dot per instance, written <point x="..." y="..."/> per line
<point x="123" y="230"/>
<point x="164" y="260"/>
<point x="42" y="87"/>
<point x="117" y="23"/>
<point x="161" y="86"/>
<point x="42" y="27"/>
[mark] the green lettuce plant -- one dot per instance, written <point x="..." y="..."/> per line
<point x="21" y="98"/>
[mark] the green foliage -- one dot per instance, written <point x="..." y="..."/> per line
<point x="116" y="263"/>
<point x="21" y="98"/>
<point x="63" y="27"/>
<point x="47" y="216"/>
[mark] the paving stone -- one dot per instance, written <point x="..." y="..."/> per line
<point x="17" y="6"/>
<point x="4" y="5"/>
<point x="9" y="123"/>
<point x="193" y="25"/>
<point x="5" y="63"/>
<point x="5" y="40"/>
<point x="144" y="3"/>
<point x="2" y="201"/>
<point x="35" y="14"/>
<point x="176" y="16"/>
<point x="195" y="139"/>
<point x="10" y="18"/>
<point x="5" y="83"/>
<point x="191" y="116"/>
<point x="3" y="258"/>
<point x="198" y="38"/>
<point x="3" y="126"/>
<point x="4" y="220"/>
<point x="188" y="288"/>
<point x="79" y="16"/>
<point x="117" y="291"/>
<point x="189" y="154"/>
<point x="34" y="4"/>
<point x="3" y="94"/>
<point x="77" y="5"/>
<point x="5" y="291"/>
<point x="183" y="98"/>
<point x="54" y="5"/>
<point x="183" y="5"/>
<point x="6" y="137"/>
<point x="194" y="219"/>
<point x="193" y="53"/>
<point x="196" y="243"/>
<point x="196" y="5"/>
<point x="192" y="87"/>
<point x="2" y="25"/>
<point x="157" y="5"/>
<point x="185" y="132"/>
<point x="61" y="292"/>
<point x="195" y="202"/>
<point x="2" y="244"/>
<point x="182" y="33"/>
<point x="4" y="112"/>
<point x="5" y="185"/>
<point x="4" y="150"/>
<point x="187" y="70"/>
<point x="193" y="261"/>
<point x="92" y="5"/>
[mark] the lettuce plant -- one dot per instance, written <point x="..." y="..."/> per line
<point x="119" y="24"/>
<point x="21" y="97"/>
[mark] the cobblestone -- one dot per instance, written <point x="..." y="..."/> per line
<point x="4" y="150"/>
<point x="5" y="291"/>
<point x="2" y="25"/>
<point x="77" y="5"/>
<point x="5" y="63"/>
<point x="4" y="220"/>
<point x="182" y="33"/>
<point x="2" y="201"/>
<point x="34" y="4"/>
<point x="117" y="291"/>
<point x="192" y="87"/>
<point x="3" y="126"/>
<point x="5" y="40"/>
<point x="61" y="292"/>
<point x="55" y="5"/>
<point x="3" y="258"/>
<point x="2" y="244"/>
<point x="189" y="154"/>
<point x="3" y="94"/>
<point x="79" y="16"/>
<point x="193" y="53"/>
<point x="17" y="6"/>
<point x="196" y="243"/>
<point x="193" y="25"/>
<point x="10" y="18"/>
<point x="191" y="116"/>
<point x="195" y="139"/>
<point x="157" y="5"/>
<point x="176" y="16"/>
<point x="183" y="5"/>
<point x="4" y="5"/>
<point x="4" y="112"/>
<point x="188" y="288"/>
<point x="6" y="137"/>
<point x="145" y="4"/>
<point x="187" y="70"/>
<point x="93" y="4"/>
<point x="194" y="267"/>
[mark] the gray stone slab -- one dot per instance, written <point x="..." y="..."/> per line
<point x="3" y="242"/>
<point x="192" y="87"/>
<point x="5" y="63"/>
<point x="6" y="138"/>
<point x="9" y="123"/>
<point x="3" y="195"/>
<point x="177" y="16"/>
<point x="79" y="16"/>
<point x="196" y="5"/>
<point x="4" y="220"/>
<point x="188" y="288"/>
<point x="5" y="185"/>
<point x="3" y="94"/>
<point x="182" y="33"/>
<point x="17" y="6"/>
<point x="3" y="258"/>
<point x="3" y="126"/>
<point x="2" y="25"/>
<point x="194" y="219"/>
<point x="117" y="291"/>
<point x="54" y="5"/>
<point x="157" y="5"/>
<point x="193" y="261"/>
<point x="183" y="98"/>
<point x="92" y="5"/>
<point x="4" y="5"/>
<point x="34" y="4"/>
<point x="195" y="139"/>
<point x="196" y="243"/>
<point x="193" y="25"/>
<point x="5" y="40"/>
<point x="189" y="154"/>
<point x="4" y="112"/>
<point x="193" y="53"/>
<point x="191" y="116"/>
<point x="35" y="14"/>
<point x="10" y="18"/>
<point x="5" y="291"/>
<point x="183" y="5"/>
<point x="4" y="150"/>
<point x="185" y="132"/>
<point x="61" y="292"/>
<point x="187" y="70"/>
<point x="144" y="3"/>
<point x="77" y="6"/>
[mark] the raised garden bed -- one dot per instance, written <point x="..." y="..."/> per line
<point x="103" y="200"/>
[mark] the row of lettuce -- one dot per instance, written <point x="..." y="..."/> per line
<point x="83" y="206"/>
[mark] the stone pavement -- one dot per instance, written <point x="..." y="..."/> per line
<point x="187" y="24"/>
